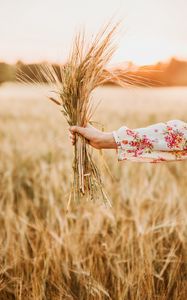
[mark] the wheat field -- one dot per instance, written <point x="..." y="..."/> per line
<point x="135" y="250"/>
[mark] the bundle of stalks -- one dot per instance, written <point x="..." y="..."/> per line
<point x="85" y="70"/>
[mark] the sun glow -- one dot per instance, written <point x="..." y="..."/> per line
<point x="43" y="30"/>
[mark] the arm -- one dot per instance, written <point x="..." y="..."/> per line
<point x="158" y="142"/>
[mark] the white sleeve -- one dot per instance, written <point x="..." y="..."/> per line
<point x="154" y="143"/>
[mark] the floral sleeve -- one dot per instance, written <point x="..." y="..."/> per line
<point x="165" y="141"/>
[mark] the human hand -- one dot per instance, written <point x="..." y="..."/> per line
<point x="96" y="138"/>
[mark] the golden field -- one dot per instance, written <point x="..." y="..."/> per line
<point x="135" y="250"/>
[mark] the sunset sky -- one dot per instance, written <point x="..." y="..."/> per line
<point x="34" y="30"/>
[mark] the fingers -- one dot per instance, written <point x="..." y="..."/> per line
<point x="90" y="133"/>
<point x="83" y="131"/>
<point x="72" y="138"/>
<point x="78" y="129"/>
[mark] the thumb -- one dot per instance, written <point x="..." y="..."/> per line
<point x="78" y="129"/>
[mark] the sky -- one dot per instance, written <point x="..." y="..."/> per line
<point x="37" y="30"/>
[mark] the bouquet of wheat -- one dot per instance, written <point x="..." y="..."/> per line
<point x="84" y="71"/>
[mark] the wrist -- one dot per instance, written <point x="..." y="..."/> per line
<point x="108" y="141"/>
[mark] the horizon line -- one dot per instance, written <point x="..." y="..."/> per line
<point x="27" y="62"/>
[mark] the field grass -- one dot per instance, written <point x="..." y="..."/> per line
<point x="135" y="250"/>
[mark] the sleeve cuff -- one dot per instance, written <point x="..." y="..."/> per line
<point x="117" y="139"/>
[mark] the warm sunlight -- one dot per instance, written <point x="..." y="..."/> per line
<point x="93" y="150"/>
<point x="42" y="30"/>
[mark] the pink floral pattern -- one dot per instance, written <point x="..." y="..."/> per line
<point x="173" y="137"/>
<point x="155" y="143"/>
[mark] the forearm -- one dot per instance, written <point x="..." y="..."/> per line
<point x="108" y="141"/>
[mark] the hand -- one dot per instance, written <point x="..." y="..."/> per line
<point x="96" y="138"/>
